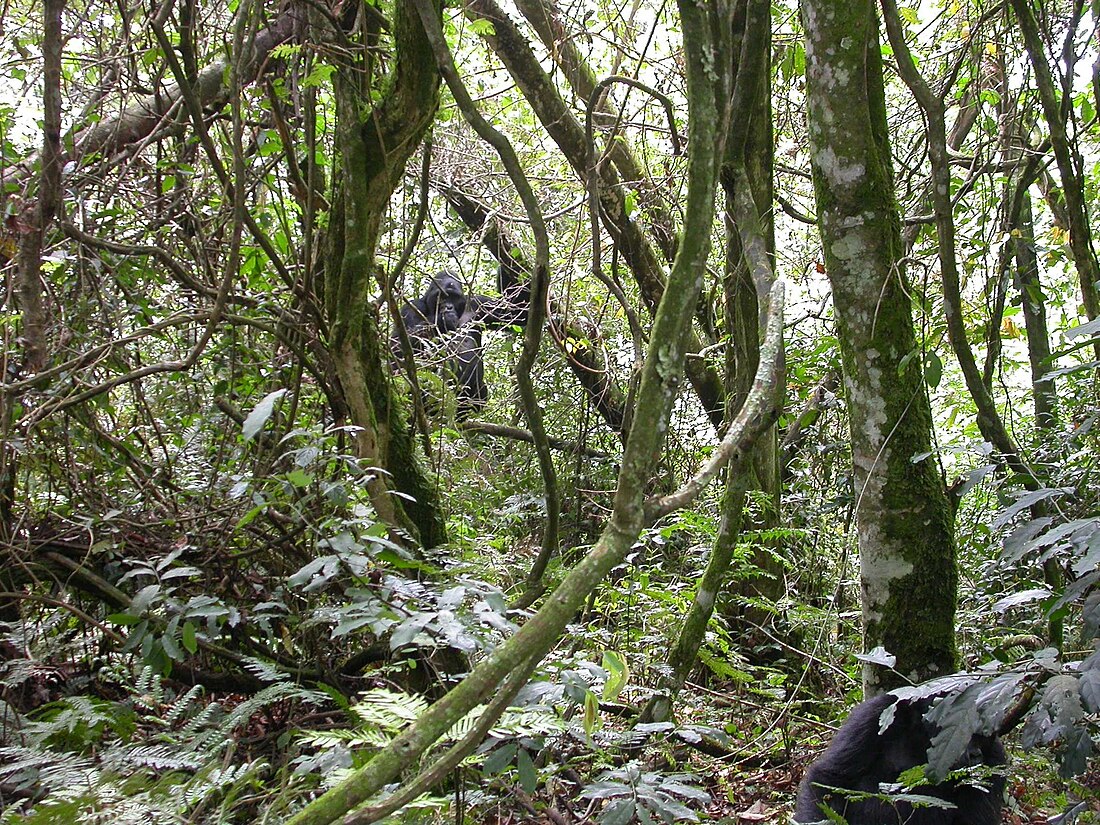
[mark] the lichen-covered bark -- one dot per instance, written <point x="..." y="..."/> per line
<point x="747" y="181"/>
<point x="374" y="143"/>
<point x="906" y="540"/>
<point x="746" y="177"/>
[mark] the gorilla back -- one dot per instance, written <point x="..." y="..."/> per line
<point x="860" y="758"/>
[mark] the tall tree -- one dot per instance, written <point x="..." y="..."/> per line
<point x="1057" y="106"/>
<point x="906" y="540"/>
<point x="749" y="271"/>
<point x="746" y="179"/>
<point x="380" y="122"/>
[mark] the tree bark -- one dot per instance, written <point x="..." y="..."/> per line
<point x="374" y="144"/>
<point x="1068" y="160"/>
<point x="989" y="418"/>
<point x="1033" y="303"/>
<point x="905" y="530"/>
<point x="748" y="185"/>
<point x="28" y="291"/>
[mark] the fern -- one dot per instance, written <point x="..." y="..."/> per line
<point x="148" y="686"/>
<point x="264" y="671"/>
<point x="182" y="706"/>
<point x="387" y="709"/>
<point x="124" y="760"/>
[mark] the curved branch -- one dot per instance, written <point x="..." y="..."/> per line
<point x="438" y="770"/>
<point x="989" y="419"/>
<point x="594" y="161"/>
<point x="517" y="434"/>
<point x="760" y="410"/>
<point x="408" y="360"/>
<point x="540" y="280"/>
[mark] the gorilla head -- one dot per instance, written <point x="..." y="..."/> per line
<point x="444" y="302"/>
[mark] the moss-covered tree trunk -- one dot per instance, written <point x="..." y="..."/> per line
<point x="906" y="539"/>
<point x="746" y="178"/>
<point x="374" y="142"/>
<point x="747" y="181"/>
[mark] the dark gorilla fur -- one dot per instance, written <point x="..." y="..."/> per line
<point x="859" y="759"/>
<point x="445" y="310"/>
<point x="441" y="307"/>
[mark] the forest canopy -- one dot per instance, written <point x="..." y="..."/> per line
<point x="552" y="410"/>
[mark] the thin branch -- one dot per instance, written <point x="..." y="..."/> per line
<point x="517" y="434"/>
<point x="760" y="410"/>
<point x="540" y="280"/>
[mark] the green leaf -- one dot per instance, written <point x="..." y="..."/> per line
<point x="188" y="638"/>
<point x="528" y="776"/>
<point x="591" y="712"/>
<point x="500" y="758"/>
<point x="171" y="649"/>
<point x="619" y="672"/>
<point x="933" y="369"/>
<point x="140" y="603"/>
<point x="248" y="517"/>
<point x="482" y="28"/>
<point x="299" y="478"/>
<point x="260" y="414"/>
<point x="619" y="812"/>
<point x="630" y="204"/>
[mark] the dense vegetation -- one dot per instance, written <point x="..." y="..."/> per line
<point x="790" y="329"/>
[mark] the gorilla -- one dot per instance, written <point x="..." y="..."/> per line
<point x="860" y="757"/>
<point x="446" y="312"/>
<point x="439" y="311"/>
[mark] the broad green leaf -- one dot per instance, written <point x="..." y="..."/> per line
<point x="260" y="414"/>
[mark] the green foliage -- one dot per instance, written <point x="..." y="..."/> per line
<point x="632" y="793"/>
<point x="190" y="503"/>
<point x="88" y="758"/>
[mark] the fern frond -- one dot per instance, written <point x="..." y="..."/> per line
<point x="182" y="705"/>
<point x="387" y="709"/>
<point x="264" y="671"/>
<point x="123" y="760"/>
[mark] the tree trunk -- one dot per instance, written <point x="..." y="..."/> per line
<point x="748" y="167"/>
<point x="1068" y="160"/>
<point x="374" y="145"/>
<point x="747" y="179"/>
<point x="906" y="541"/>
<point x="1034" y="305"/>
<point x="509" y="44"/>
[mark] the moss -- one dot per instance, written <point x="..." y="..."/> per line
<point x="905" y="526"/>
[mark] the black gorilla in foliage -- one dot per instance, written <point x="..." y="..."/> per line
<point x="860" y="758"/>
<point x="445" y="311"/>
<point x="440" y="308"/>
